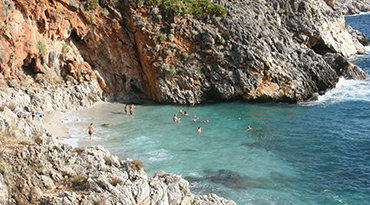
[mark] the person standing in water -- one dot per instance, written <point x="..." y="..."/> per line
<point x="132" y="109"/>
<point x="199" y="130"/>
<point x="126" y="109"/>
<point x="175" y="119"/>
<point x="90" y="130"/>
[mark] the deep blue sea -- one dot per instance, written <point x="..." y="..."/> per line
<point x="307" y="153"/>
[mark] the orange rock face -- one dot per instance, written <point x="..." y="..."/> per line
<point x="69" y="40"/>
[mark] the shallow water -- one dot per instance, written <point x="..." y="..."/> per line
<point x="307" y="153"/>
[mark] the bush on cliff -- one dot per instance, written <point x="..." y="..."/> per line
<point x="198" y="8"/>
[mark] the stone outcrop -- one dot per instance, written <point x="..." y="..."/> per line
<point x="348" y="7"/>
<point x="258" y="51"/>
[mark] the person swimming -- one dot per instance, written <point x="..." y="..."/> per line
<point x="199" y="130"/>
<point x="196" y="120"/>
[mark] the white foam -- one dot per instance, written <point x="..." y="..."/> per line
<point x="361" y="13"/>
<point x="347" y="90"/>
<point x="367" y="48"/>
<point x="159" y="155"/>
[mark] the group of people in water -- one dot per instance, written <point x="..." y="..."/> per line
<point x="131" y="109"/>
<point x="90" y="130"/>
<point x="195" y="119"/>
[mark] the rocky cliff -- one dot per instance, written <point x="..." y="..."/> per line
<point x="254" y="50"/>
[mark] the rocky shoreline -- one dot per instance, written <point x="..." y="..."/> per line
<point x="37" y="168"/>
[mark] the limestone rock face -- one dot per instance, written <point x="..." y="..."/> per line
<point x="258" y="51"/>
<point x="348" y="7"/>
<point x="4" y="193"/>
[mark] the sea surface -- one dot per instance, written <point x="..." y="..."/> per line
<point x="307" y="153"/>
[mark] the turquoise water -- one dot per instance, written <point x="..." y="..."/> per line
<point x="307" y="153"/>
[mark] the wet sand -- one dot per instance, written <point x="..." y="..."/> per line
<point x="53" y="123"/>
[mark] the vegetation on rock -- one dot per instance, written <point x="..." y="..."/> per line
<point x="198" y="8"/>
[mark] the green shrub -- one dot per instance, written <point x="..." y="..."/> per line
<point x="65" y="48"/>
<point x="184" y="55"/>
<point x="105" y="12"/>
<point x="198" y="8"/>
<point x="42" y="48"/>
<point x="163" y="37"/>
<point x="173" y="72"/>
<point x="92" y="4"/>
<point x="198" y="70"/>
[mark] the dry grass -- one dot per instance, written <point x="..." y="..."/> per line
<point x="137" y="164"/>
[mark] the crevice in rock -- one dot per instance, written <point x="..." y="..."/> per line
<point x="134" y="85"/>
<point x="321" y="49"/>
<point x="29" y="67"/>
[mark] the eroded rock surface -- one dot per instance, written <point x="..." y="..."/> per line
<point x="257" y="51"/>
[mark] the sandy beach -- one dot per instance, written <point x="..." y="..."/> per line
<point x="53" y="123"/>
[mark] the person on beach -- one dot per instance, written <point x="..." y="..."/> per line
<point x="126" y="109"/>
<point x="41" y="119"/>
<point x="90" y="130"/>
<point x="132" y="109"/>
<point x="175" y="119"/>
<point x="33" y="113"/>
<point x="199" y="130"/>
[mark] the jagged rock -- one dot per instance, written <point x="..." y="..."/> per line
<point x="4" y="194"/>
<point x="344" y="68"/>
<point x="348" y="7"/>
<point x="359" y="36"/>
<point x="48" y="182"/>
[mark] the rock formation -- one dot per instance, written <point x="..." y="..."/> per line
<point x="348" y="7"/>
<point x="255" y="50"/>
